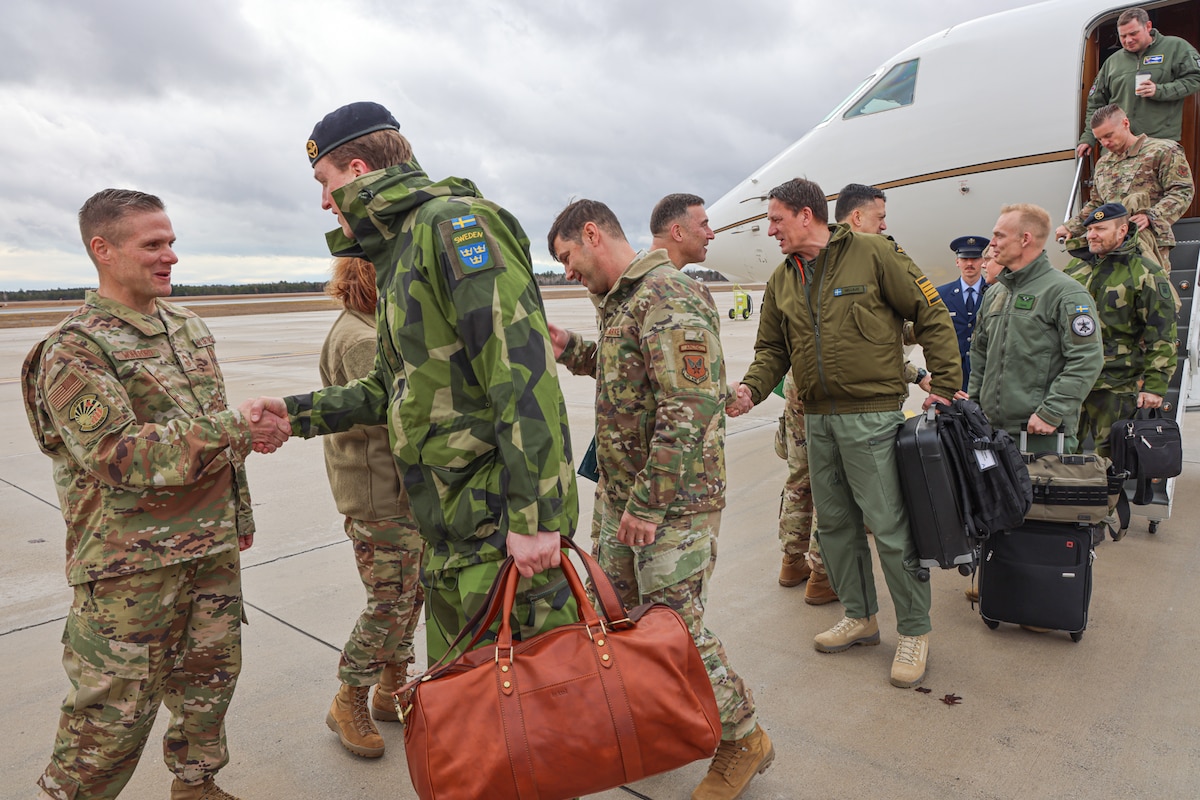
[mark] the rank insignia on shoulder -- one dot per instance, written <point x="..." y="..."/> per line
<point x="695" y="368"/>
<point x="1082" y="309"/>
<point x="1024" y="302"/>
<point x="929" y="290"/>
<point x="1083" y="325"/>
<point x="88" y="413"/>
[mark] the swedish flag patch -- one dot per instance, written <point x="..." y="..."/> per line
<point x="929" y="290"/>
<point x="469" y="245"/>
<point x="1083" y="309"/>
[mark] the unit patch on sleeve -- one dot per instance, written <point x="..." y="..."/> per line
<point x="88" y="413"/>
<point x="1083" y="325"/>
<point x="929" y="290"/>
<point x="469" y="245"/>
<point x="695" y="367"/>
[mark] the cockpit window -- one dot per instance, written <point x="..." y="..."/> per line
<point x="893" y="90"/>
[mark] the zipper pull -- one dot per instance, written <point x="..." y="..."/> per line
<point x="1146" y="443"/>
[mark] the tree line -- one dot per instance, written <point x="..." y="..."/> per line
<point x="276" y="287"/>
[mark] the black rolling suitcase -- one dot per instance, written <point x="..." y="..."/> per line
<point x="931" y="493"/>
<point x="1039" y="574"/>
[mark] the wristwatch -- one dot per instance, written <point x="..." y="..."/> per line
<point x="921" y="373"/>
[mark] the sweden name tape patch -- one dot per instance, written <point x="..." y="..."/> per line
<point x="929" y="290"/>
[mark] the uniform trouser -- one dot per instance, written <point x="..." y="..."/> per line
<point x="171" y="635"/>
<point x="674" y="570"/>
<point x="796" y="507"/>
<point x="1100" y="410"/>
<point x="855" y="482"/>
<point x="453" y="596"/>
<point x="388" y="554"/>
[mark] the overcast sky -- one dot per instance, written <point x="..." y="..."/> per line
<point x="209" y="105"/>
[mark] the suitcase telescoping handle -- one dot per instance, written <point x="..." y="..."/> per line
<point x="1061" y="430"/>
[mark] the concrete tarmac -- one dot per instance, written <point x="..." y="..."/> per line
<point x="1113" y="716"/>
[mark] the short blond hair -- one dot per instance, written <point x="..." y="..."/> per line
<point x="1032" y="219"/>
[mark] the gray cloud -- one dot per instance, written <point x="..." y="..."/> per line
<point x="209" y="106"/>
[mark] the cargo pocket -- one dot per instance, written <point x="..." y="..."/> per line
<point x="108" y="675"/>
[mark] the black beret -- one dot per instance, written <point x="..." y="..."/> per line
<point x="1106" y="211"/>
<point x="346" y="124"/>
<point x="969" y="246"/>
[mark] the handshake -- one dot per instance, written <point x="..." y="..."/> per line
<point x="269" y="425"/>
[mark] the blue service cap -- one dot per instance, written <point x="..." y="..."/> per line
<point x="969" y="246"/>
<point x="346" y="124"/>
<point x="1107" y="211"/>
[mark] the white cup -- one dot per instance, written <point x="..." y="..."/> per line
<point x="1141" y="79"/>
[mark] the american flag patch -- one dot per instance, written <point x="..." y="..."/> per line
<point x="66" y="389"/>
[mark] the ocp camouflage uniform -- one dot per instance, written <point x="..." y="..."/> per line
<point x="796" y="506"/>
<point x="148" y="463"/>
<point x="464" y="378"/>
<point x="660" y="411"/>
<point x="1137" y="321"/>
<point x="1158" y="170"/>
<point x="367" y="490"/>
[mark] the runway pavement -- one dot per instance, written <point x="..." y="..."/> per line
<point x="1113" y="716"/>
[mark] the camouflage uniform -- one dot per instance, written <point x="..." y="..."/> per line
<point x="1137" y="320"/>
<point x="1037" y="348"/>
<point x="660" y="409"/>
<point x="1158" y="172"/>
<point x="148" y="463"/>
<point x="366" y="488"/>
<point x="464" y="378"/>
<point x="796" y="506"/>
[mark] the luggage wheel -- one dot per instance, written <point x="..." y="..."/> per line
<point x="1154" y="526"/>
<point x="965" y="569"/>
<point x="1075" y="637"/>
<point x="923" y="575"/>
<point x="991" y="623"/>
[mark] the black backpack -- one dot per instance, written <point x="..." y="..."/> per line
<point x="993" y="480"/>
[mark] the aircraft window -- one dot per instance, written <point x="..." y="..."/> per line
<point x="833" y="111"/>
<point x="895" y="89"/>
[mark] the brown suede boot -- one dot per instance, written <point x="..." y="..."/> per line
<point x="383" y="707"/>
<point x="349" y="718"/>
<point x="795" y="570"/>
<point x="198" y="791"/>
<point x="736" y="762"/>
<point x="819" y="591"/>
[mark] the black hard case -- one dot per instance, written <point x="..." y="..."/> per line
<point x="1039" y="574"/>
<point x="931" y="495"/>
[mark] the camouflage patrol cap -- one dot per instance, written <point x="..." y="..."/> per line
<point x="346" y="124"/>
<point x="1106" y="211"/>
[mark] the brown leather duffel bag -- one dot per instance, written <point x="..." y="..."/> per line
<point x="577" y="710"/>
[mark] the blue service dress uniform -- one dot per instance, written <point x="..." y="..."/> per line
<point x="964" y="319"/>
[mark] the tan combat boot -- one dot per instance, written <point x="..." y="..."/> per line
<point x="349" y="718"/>
<point x="795" y="570"/>
<point x="383" y="707"/>
<point x="908" y="669"/>
<point x="819" y="590"/>
<point x="847" y="633"/>
<point x="736" y="762"/>
<point x="199" y="791"/>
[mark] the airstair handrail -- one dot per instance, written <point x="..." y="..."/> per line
<point x="1074" y="190"/>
